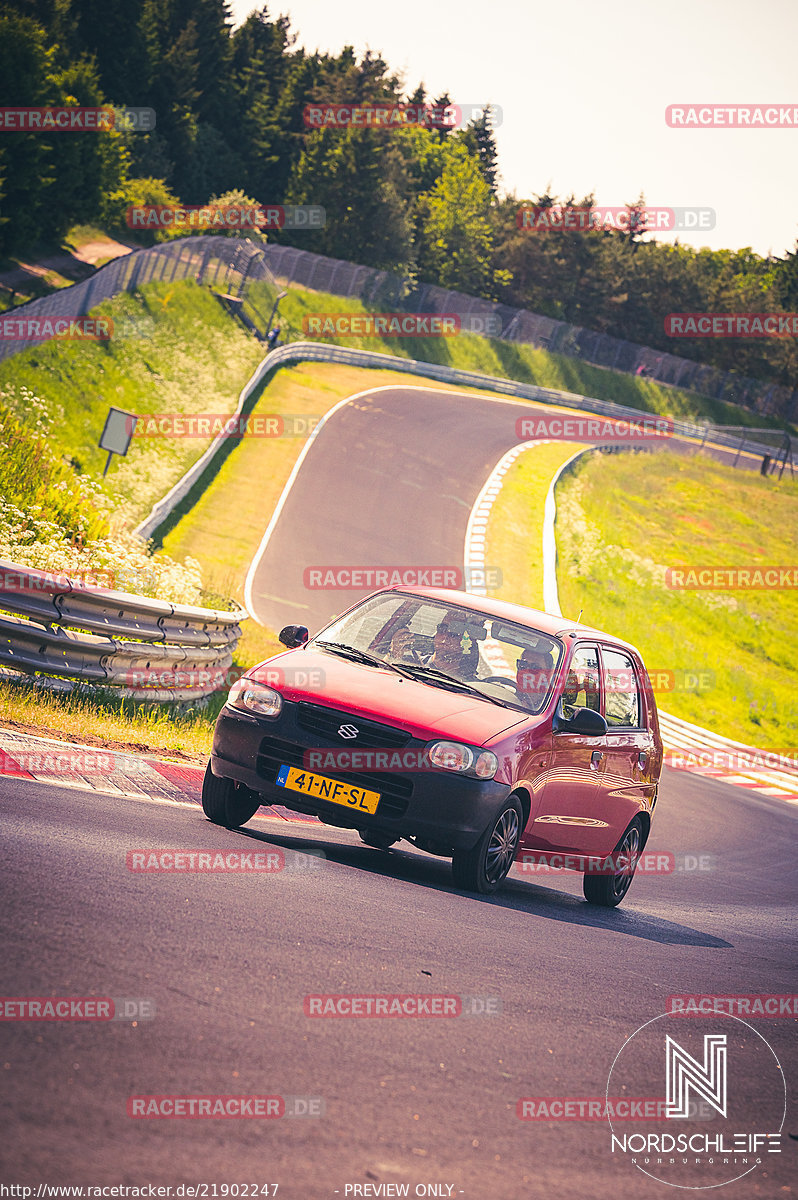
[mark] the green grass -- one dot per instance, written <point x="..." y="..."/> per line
<point x="514" y="538"/>
<point x="511" y="360"/>
<point x="174" y="350"/>
<point x="623" y="519"/>
<point x="103" y="720"/>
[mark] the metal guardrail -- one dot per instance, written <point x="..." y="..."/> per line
<point x="231" y="263"/>
<point x="303" y="268"/>
<point x="115" y="638"/>
<point x="748" y="439"/>
<point x="142" y="648"/>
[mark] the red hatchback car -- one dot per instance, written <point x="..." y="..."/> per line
<point x="475" y="729"/>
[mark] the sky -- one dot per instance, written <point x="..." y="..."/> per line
<point x="583" y="87"/>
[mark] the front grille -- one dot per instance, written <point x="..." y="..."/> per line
<point x="325" y="723"/>
<point x="395" y="790"/>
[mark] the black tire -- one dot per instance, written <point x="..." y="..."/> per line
<point x="377" y="841"/>
<point x="609" y="890"/>
<point x="226" y="802"/>
<point x="484" y="868"/>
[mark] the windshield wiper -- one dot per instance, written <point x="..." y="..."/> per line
<point x="361" y="656"/>
<point x="433" y="673"/>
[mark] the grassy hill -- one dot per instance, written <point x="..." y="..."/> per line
<point x="175" y="350"/>
<point x="622" y="521"/>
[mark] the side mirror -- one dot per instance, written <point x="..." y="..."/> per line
<point x="584" y="721"/>
<point x="294" y="635"/>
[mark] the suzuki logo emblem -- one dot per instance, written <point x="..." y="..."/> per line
<point x="348" y="731"/>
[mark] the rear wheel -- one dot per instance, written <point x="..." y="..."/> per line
<point x="378" y="841"/>
<point x="610" y="889"/>
<point x="226" y="802"/>
<point x="485" y="867"/>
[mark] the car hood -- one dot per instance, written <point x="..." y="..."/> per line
<point x="381" y="695"/>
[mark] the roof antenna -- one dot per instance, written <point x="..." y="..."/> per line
<point x="579" y="618"/>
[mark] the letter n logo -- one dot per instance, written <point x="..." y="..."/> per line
<point x="707" y="1080"/>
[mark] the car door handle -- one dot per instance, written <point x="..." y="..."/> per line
<point x="596" y="757"/>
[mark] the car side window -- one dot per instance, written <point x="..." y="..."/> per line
<point x="582" y="686"/>
<point x="622" y="698"/>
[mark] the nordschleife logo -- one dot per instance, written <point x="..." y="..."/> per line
<point x="722" y="1092"/>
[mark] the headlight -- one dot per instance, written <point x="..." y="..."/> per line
<point x="454" y="756"/>
<point x="487" y="765"/>
<point x="255" y="697"/>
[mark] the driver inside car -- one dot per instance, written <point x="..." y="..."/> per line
<point x="402" y="645"/>
<point x="449" y="654"/>
<point x="533" y="677"/>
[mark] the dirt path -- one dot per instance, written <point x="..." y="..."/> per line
<point x="75" y="265"/>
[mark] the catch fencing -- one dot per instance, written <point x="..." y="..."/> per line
<point x="228" y="265"/>
<point x="373" y="287"/>
<point x="231" y="263"/>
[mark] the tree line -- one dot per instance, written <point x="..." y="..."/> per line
<point x="421" y="200"/>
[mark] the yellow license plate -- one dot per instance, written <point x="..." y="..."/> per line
<point x="345" y="794"/>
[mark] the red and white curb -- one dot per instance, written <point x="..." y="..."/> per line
<point x="111" y="772"/>
<point x="691" y="748"/>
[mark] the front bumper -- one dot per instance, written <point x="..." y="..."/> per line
<point x="442" y="810"/>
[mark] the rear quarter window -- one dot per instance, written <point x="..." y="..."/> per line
<point x="623" y="707"/>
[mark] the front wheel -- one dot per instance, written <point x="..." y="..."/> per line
<point x="609" y="889"/>
<point x="378" y="841"/>
<point x="226" y="802"/>
<point x="485" y="867"/>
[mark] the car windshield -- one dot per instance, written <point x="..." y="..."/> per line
<point x="436" y="642"/>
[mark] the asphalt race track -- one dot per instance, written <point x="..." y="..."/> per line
<point x="389" y="480"/>
<point x="227" y="959"/>
<point x="211" y="972"/>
